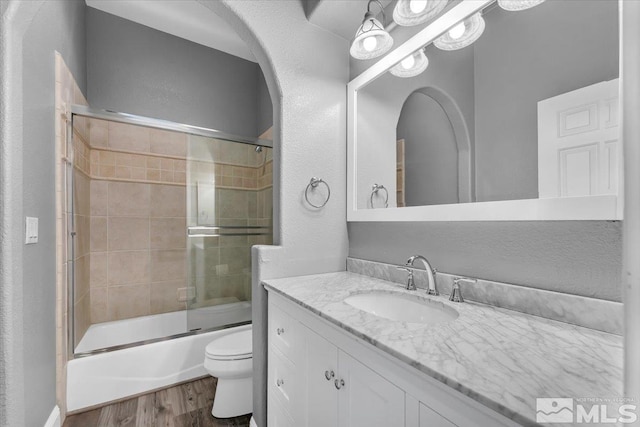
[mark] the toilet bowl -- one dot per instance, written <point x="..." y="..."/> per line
<point x="229" y="359"/>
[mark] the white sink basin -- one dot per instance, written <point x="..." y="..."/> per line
<point x="404" y="308"/>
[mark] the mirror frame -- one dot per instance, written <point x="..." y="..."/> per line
<point x="603" y="207"/>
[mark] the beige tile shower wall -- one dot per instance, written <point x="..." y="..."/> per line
<point x="265" y="175"/>
<point x="135" y="153"/>
<point x="125" y="166"/>
<point x="138" y="249"/>
<point x="221" y="266"/>
<point x="67" y="93"/>
<point x="81" y="201"/>
<point x="138" y="217"/>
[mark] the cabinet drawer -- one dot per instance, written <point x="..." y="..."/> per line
<point x="283" y="381"/>
<point x="283" y="332"/>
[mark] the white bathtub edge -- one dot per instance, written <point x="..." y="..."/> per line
<point x="103" y="378"/>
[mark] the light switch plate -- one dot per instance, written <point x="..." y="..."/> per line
<point x="31" y="230"/>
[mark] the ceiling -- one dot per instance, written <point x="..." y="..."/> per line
<point x="342" y="17"/>
<point x="189" y="20"/>
<point x="193" y="21"/>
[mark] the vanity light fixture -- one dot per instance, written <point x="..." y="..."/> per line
<point x="516" y="5"/>
<point x="412" y="65"/>
<point x="462" y="34"/>
<point x="371" y="39"/>
<point x="414" y="12"/>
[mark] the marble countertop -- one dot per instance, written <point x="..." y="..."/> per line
<point x="501" y="358"/>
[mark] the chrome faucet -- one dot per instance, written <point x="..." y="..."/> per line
<point x="431" y="279"/>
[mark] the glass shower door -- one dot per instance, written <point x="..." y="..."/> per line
<point x="229" y="209"/>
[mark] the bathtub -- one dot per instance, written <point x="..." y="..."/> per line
<point x="145" y="328"/>
<point x="105" y="377"/>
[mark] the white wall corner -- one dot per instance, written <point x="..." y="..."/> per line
<point x="54" y="418"/>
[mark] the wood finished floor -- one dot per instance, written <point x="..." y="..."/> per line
<point x="185" y="405"/>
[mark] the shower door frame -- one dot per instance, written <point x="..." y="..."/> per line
<point x="132" y="119"/>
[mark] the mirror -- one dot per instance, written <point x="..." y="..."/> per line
<point x="523" y="120"/>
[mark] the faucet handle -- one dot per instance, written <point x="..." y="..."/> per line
<point x="456" y="294"/>
<point x="411" y="285"/>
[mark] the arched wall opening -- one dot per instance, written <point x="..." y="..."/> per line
<point x="432" y="125"/>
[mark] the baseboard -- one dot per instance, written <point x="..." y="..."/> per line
<point x="54" y="418"/>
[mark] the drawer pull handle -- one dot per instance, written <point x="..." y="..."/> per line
<point x="339" y="384"/>
<point x="279" y="382"/>
<point x="329" y="374"/>
<point x="280" y="331"/>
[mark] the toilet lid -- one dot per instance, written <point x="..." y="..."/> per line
<point x="235" y="345"/>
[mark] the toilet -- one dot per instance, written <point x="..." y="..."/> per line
<point x="229" y="358"/>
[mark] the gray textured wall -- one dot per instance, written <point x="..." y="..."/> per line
<point x="517" y="65"/>
<point x="582" y="258"/>
<point x="265" y="106"/>
<point x="135" y="69"/>
<point x="431" y="153"/>
<point x="59" y="25"/>
<point x="55" y="25"/>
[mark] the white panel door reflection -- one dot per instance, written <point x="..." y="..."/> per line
<point x="579" y="142"/>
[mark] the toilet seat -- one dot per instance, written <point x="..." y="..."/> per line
<point x="233" y="346"/>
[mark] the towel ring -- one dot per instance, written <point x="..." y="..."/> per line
<point x="374" y="190"/>
<point x="313" y="184"/>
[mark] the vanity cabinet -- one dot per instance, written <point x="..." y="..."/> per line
<point x="321" y="385"/>
<point x="340" y="391"/>
<point x="321" y="376"/>
<point x="366" y="398"/>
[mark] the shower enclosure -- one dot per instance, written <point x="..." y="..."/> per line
<point x="162" y="217"/>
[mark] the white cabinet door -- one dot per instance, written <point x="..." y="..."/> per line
<point x="366" y="399"/>
<point x="320" y="373"/>
<point x="277" y="416"/>
<point x="430" y="418"/>
<point x="579" y="150"/>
